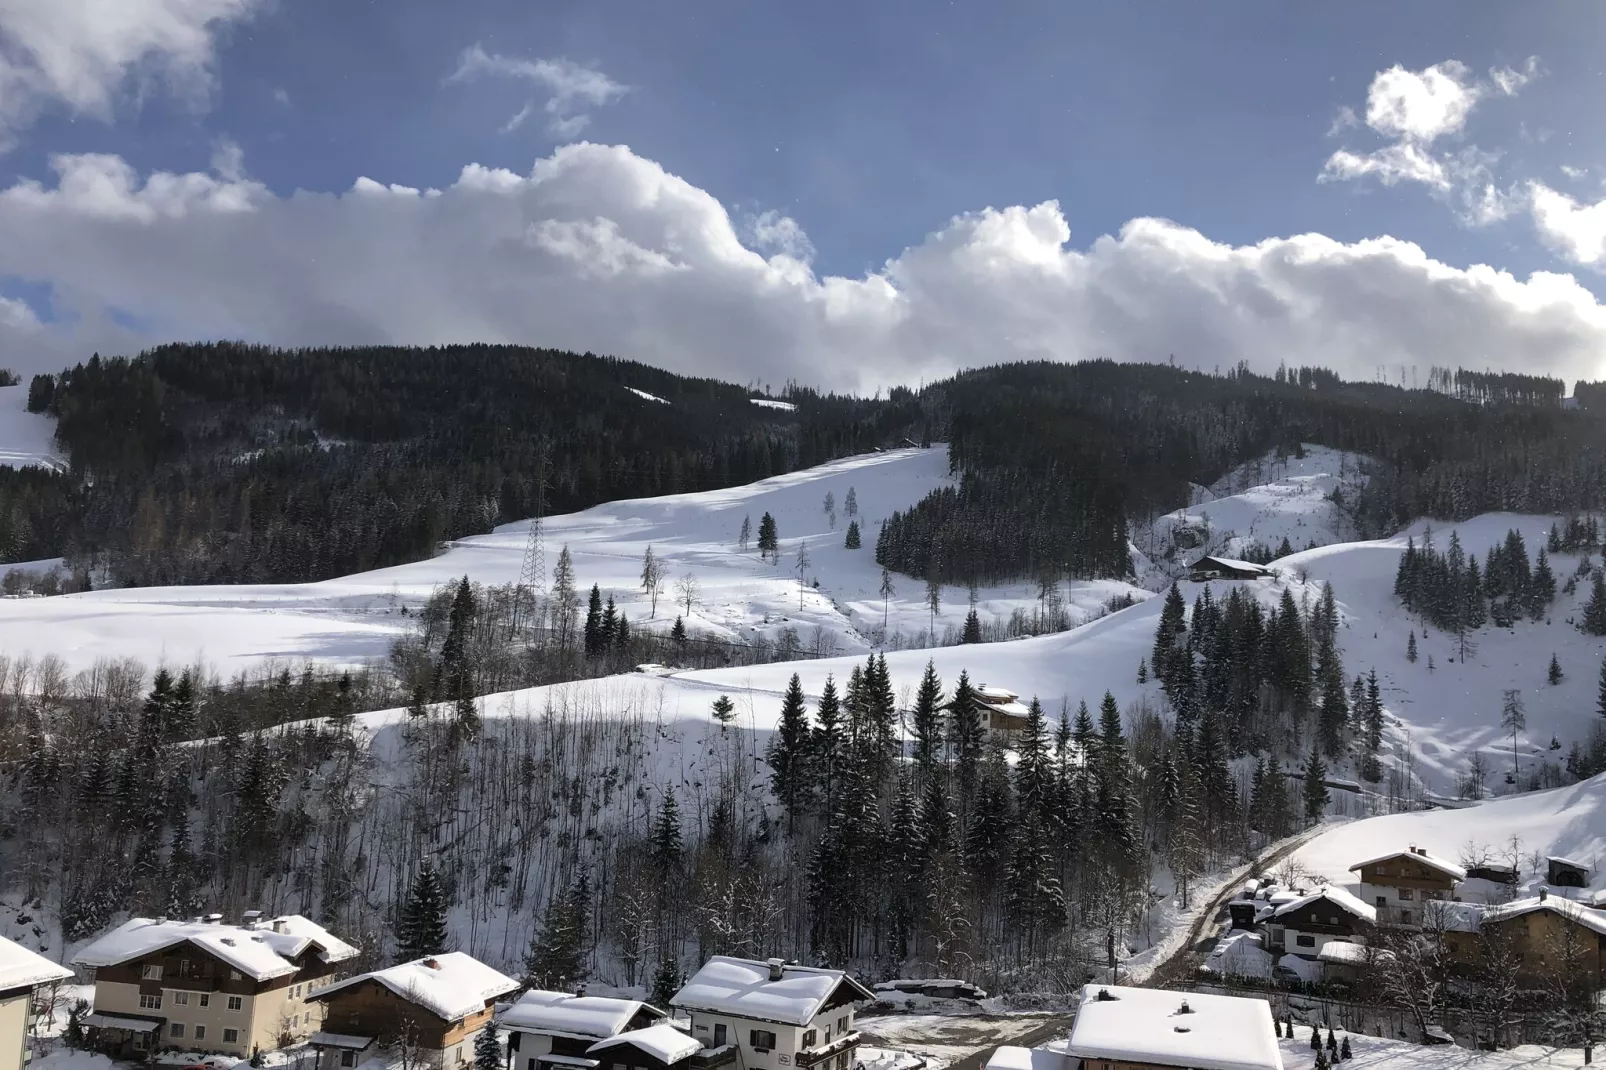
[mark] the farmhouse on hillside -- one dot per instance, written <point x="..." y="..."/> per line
<point x="22" y="973"/>
<point x="1399" y="883"/>
<point x="1003" y="714"/>
<point x="772" y="1014"/>
<point x="1226" y="568"/>
<point x="1546" y="932"/>
<point x="1155" y="1029"/>
<point x="557" y="1030"/>
<point x="201" y="985"/>
<point x="425" y="1013"/>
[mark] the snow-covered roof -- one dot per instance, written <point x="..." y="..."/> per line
<point x="1588" y="917"/>
<point x="1585" y="866"/>
<point x="1449" y="869"/>
<point x="132" y="1023"/>
<point x="21" y="968"/>
<point x="345" y="1041"/>
<point x="450" y="986"/>
<point x="261" y="951"/>
<point x="1011" y="1057"/>
<point x="1009" y="709"/>
<point x="994" y="693"/>
<point x="1342" y="952"/>
<point x="742" y="988"/>
<point x="570" y="1015"/>
<point x="1232" y="563"/>
<point x="662" y="1041"/>
<point x="1148" y="1025"/>
<point x="1338" y="897"/>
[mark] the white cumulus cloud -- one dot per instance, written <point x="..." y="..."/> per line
<point x="84" y="54"/>
<point x="572" y="88"/>
<point x="597" y="248"/>
<point x="1421" y="105"/>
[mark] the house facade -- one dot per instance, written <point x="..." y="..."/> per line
<point x="1547" y="934"/>
<point x="22" y="974"/>
<point x="1225" y="568"/>
<point x="557" y="1030"/>
<point x="772" y="1014"/>
<point x="201" y="985"/>
<point x="1306" y="925"/>
<point x="1155" y="1029"/>
<point x="426" y="1013"/>
<point x="1397" y="885"/>
<point x="1002" y="712"/>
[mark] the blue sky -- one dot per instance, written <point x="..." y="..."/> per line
<point x="867" y="126"/>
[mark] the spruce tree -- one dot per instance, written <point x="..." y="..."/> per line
<point x="966" y="735"/>
<point x="421" y="927"/>
<point x="927" y="724"/>
<point x="487" y="1052"/>
<point x="851" y="541"/>
<point x="1315" y="785"/>
<point x="666" y="981"/>
<point x="1410" y="648"/>
<point x="677" y="634"/>
<point x="972" y="632"/>
<point x="556" y="959"/>
<point x="1554" y="674"/>
<point x="667" y="848"/>
<point x="724" y="711"/>
<point x="768" y="538"/>
<point x="788" y="753"/>
<point x="1595" y="611"/>
<point x="593" y="625"/>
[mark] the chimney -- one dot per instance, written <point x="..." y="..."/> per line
<point x="777" y="968"/>
<point x="251" y="919"/>
<point x="280" y="926"/>
<point x="433" y="964"/>
<point x="1185" y="1009"/>
<point x="1544" y="893"/>
<point x="580" y="989"/>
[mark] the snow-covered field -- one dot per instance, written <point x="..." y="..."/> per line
<point x="355" y="618"/>
<point x="1570" y="822"/>
<point x="1374" y="1053"/>
<point x="26" y="438"/>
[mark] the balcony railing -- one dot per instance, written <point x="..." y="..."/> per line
<point x="825" y="1052"/>
<point x="708" y="1058"/>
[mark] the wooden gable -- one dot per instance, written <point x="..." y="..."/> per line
<point x="1323" y="916"/>
<point x="1404" y="871"/>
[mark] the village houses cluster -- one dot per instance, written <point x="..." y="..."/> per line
<point x="242" y="988"/>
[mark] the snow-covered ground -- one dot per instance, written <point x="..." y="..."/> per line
<point x="1569" y="822"/>
<point x="26" y="438"/>
<point x="1374" y="1053"/>
<point x="355" y="618"/>
<point x="1260" y="504"/>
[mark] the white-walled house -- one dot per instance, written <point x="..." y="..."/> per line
<point x="1306" y="925"/>
<point x="1397" y="884"/>
<point x="22" y="973"/>
<point x="557" y="1030"/>
<point x="772" y="1015"/>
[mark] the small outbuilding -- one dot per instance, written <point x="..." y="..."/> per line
<point x="1566" y="873"/>
<point x="1227" y="568"/>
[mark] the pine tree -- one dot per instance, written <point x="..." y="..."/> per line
<point x="788" y="753"/>
<point x="666" y="847"/>
<point x="677" y="633"/>
<point x="724" y="710"/>
<point x="1033" y="781"/>
<point x="852" y="542"/>
<point x="556" y="959"/>
<point x="768" y="538"/>
<point x="666" y="981"/>
<point x="487" y="1052"/>
<point x="421" y="927"/>
<point x="965" y="738"/>
<point x="1172" y="612"/>
<point x="1542" y="590"/>
<point x="593" y="626"/>
<point x="1600" y="700"/>
<point x="1595" y="611"/>
<point x="1315" y="785"/>
<point x="927" y="725"/>
<point x="1410" y="648"/>
<point x="1143" y="671"/>
<point x="972" y="632"/>
<point x="1554" y="674"/>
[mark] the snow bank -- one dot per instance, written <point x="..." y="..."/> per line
<point x="26" y="438"/>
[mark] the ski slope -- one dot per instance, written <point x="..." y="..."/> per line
<point x="26" y="438"/>
<point x="355" y="619"/>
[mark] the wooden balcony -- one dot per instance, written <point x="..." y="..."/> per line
<point x="825" y="1052"/>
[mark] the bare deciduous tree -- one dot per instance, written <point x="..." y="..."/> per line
<point x="687" y="590"/>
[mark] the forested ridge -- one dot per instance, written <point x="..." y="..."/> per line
<point x="226" y="463"/>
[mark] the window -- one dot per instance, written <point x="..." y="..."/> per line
<point x="1382" y="901"/>
<point x="1305" y="941"/>
<point x="235" y="1003"/>
<point x="720" y="1036"/>
<point x="206" y="999"/>
<point x="181" y="998"/>
<point x="842" y="1061"/>
<point x="842" y="1024"/>
<point x="200" y="1032"/>
<point x="761" y="1040"/>
<point x="348" y="1058"/>
<point x="231" y="1036"/>
<point x="151" y="973"/>
<point x="236" y="975"/>
<point x="175" y="1029"/>
<point x="150" y="1003"/>
<point x="809" y="1037"/>
<point x="1405" y="895"/>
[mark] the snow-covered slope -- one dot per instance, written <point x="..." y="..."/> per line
<point x="1570" y="822"/>
<point x="355" y="618"/>
<point x="26" y="438"/>
<point x="1260" y="504"/>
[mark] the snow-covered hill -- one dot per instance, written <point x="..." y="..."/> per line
<point x="26" y="438"/>
<point x="355" y="618"/>
<point x="1570" y="822"/>
<point x="1257" y="506"/>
